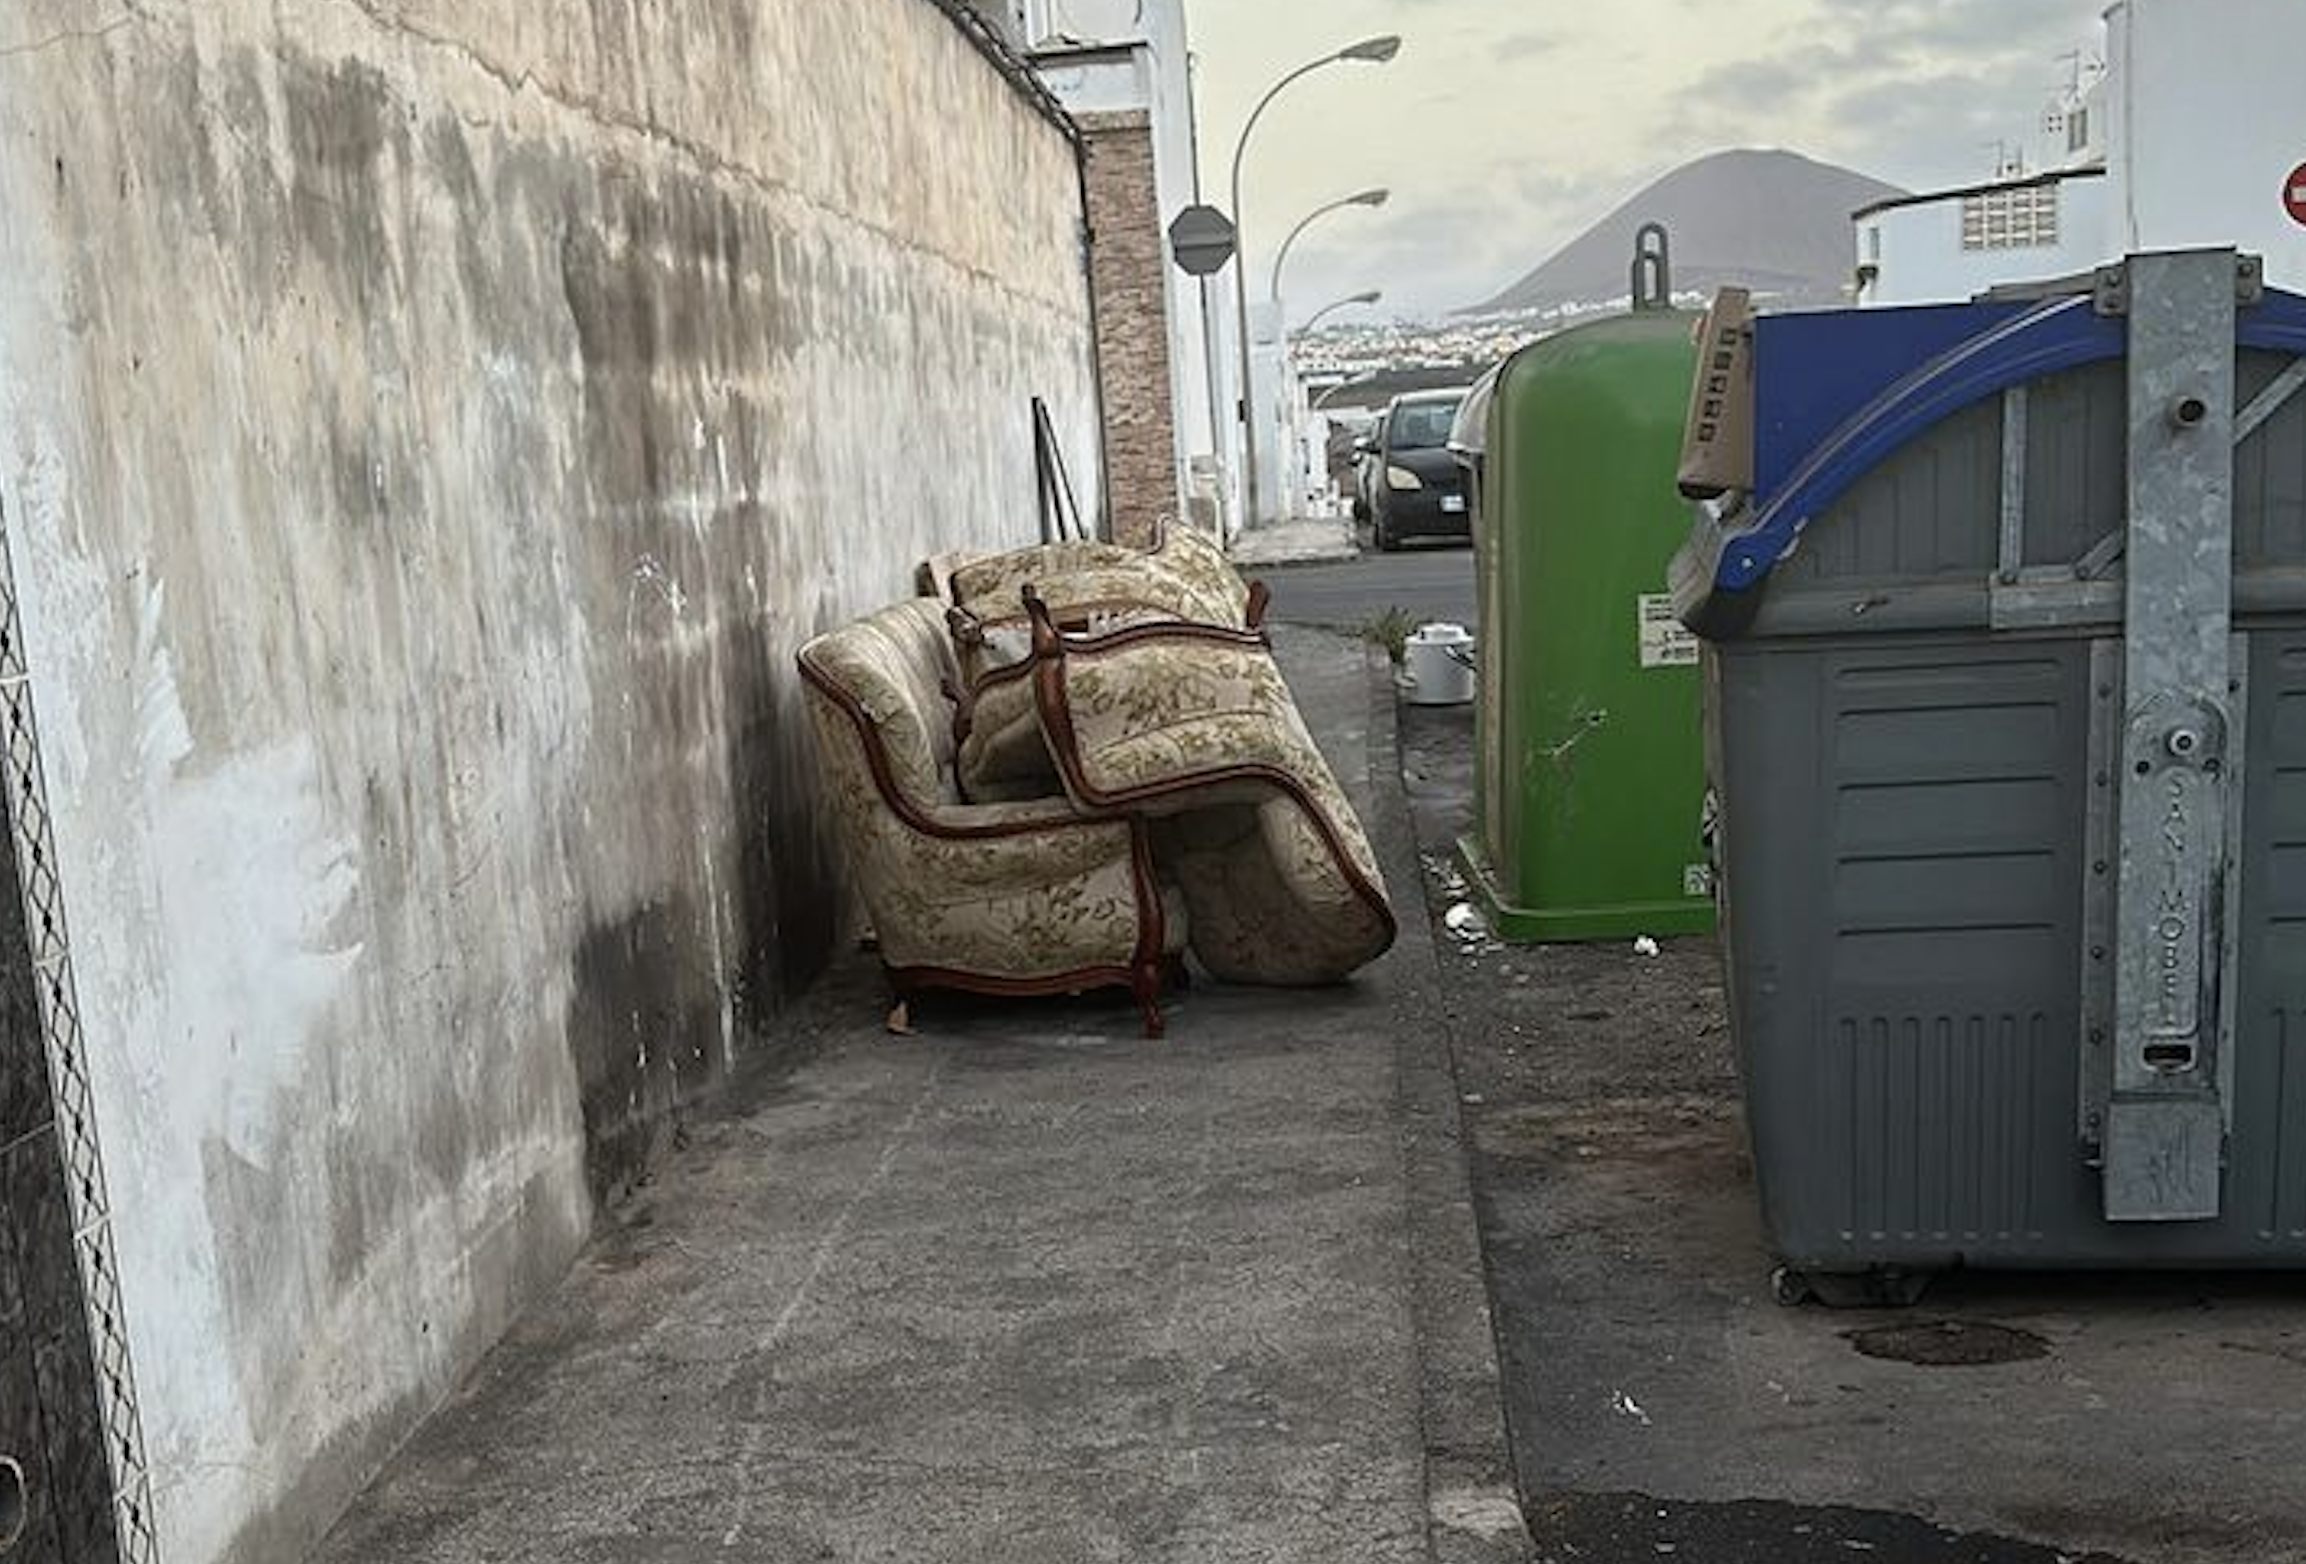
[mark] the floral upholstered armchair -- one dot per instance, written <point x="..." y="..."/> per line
<point x="1191" y="726"/>
<point x="1022" y="896"/>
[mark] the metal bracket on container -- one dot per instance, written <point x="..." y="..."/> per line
<point x="2270" y="401"/>
<point x="2099" y="853"/>
<point x="2110" y="287"/>
<point x="2099" y="914"/>
<point x="2038" y="597"/>
<point x="2168" y="1071"/>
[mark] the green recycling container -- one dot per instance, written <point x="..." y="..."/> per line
<point x="1590" y="782"/>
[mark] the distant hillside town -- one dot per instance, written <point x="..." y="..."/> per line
<point x="1772" y="221"/>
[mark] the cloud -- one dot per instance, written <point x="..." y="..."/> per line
<point x="1524" y="46"/>
<point x="1919" y="95"/>
<point x="1440" y="247"/>
<point x="1505" y="129"/>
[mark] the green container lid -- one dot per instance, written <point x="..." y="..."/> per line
<point x="1590" y="783"/>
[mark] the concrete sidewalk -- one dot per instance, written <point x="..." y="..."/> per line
<point x="1311" y="540"/>
<point x="1026" y="1287"/>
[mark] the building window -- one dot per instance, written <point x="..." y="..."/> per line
<point x="2078" y="129"/>
<point x="2024" y="218"/>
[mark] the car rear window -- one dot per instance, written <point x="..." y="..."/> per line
<point x="1418" y="426"/>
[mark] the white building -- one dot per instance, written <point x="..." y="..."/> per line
<point x="1119" y="57"/>
<point x="2189" y="130"/>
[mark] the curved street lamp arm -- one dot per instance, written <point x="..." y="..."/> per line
<point x="1241" y="145"/>
<point x="1368" y="296"/>
<point x="1376" y="197"/>
<point x="1273" y="285"/>
<point x="1375" y="50"/>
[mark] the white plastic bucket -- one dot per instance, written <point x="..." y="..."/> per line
<point x="1437" y="666"/>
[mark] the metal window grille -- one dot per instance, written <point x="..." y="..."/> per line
<point x="2024" y="218"/>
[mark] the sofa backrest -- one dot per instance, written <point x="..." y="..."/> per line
<point x="895" y="665"/>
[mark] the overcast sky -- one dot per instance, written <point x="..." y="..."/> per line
<point x="1504" y="127"/>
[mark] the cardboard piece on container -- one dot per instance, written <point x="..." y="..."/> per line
<point x="1717" y="443"/>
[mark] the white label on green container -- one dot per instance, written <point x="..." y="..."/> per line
<point x="1697" y="879"/>
<point x="1665" y="642"/>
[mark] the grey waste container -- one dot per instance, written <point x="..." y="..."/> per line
<point x="2004" y="619"/>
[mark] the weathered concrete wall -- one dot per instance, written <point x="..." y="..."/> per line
<point x="427" y="427"/>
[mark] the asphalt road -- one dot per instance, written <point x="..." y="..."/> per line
<point x="1664" y="1405"/>
<point x="1429" y="582"/>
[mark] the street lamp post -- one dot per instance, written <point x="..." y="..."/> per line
<point x="1365" y="296"/>
<point x="1376" y="197"/>
<point x="1297" y="407"/>
<point x="1375" y="51"/>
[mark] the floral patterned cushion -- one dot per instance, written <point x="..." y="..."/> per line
<point x="1171" y="717"/>
<point x="1002" y="754"/>
<point x="998" y="579"/>
<point x="1095" y="587"/>
<point x="897" y="665"/>
<point x="1198" y="563"/>
<point x="1266" y="894"/>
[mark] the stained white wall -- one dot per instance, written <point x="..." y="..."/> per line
<point x="426" y="431"/>
<point x="1915" y="254"/>
<point x="2205" y="119"/>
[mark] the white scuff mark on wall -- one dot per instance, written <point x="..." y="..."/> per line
<point x="652" y="579"/>
<point x="716" y="927"/>
<point x="225" y="885"/>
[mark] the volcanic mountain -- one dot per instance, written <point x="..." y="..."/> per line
<point x="1775" y="222"/>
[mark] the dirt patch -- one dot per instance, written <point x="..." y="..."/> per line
<point x="1948" y="1343"/>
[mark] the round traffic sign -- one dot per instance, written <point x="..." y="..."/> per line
<point x="1201" y="238"/>
<point x="2294" y="195"/>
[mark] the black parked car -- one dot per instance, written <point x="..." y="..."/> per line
<point x="1410" y="485"/>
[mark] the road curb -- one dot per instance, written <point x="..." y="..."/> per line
<point x="1473" y="1507"/>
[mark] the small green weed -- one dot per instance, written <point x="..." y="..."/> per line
<point x="1390" y="630"/>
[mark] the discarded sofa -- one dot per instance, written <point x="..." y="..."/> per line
<point x="1082" y="765"/>
<point x="1028" y="897"/>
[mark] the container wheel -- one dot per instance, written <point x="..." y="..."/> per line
<point x="1881" y="1287"/>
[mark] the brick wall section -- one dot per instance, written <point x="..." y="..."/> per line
<point x="1128" y="255"/>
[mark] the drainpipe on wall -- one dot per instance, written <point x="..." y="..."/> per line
<point x="1104" y="495"/>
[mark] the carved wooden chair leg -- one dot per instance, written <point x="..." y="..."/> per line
<point x="1146" y="985"/>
